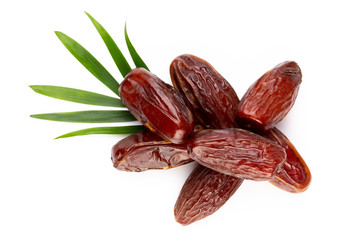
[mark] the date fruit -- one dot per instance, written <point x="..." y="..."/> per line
<point x="145" y="150"/>
<point x="203" y="193"/>
<point x="294" y="175"/>
<point x="212" y="98"/>
<point x="270" y="98"/>
<point x="157" y="105"/>
<point x="237" y="152"/>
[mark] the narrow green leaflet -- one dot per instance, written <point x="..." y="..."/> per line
<point x="134" y="55"/>
<point x="89" y="62"/>
<point x="114" y="50"/>
<point x="92" y="98"/>
<point x="77" y="95"/>
<point x="104" y="130"/>
<point x="94" y="116"/>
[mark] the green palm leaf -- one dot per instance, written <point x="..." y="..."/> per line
<point x="89" y="62"/>
<point x="87" y="97"/>
<point x="134" y="55"/>
<point x="104" y="130"/>
<point x="115" y="52"/>
<point x="77" y="95"/>
<point x="94" y="116"/>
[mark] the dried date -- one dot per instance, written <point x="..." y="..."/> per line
<point x="157" y="105"/>
<point x="270" y="98"/>
<point x="237" y="152"/>
<point x="145" y="150"/>
<point x="294" y="175"/>
<point x="203" y="193"/>
<point x="226" y="154"/>
<point x="212" y="98"/>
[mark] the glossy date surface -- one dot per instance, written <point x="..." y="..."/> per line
<point x="270" y="98"/>
<point x="237" y="152"/>
<point x="212" y="98"/>
<point x="145" y="150"/>
<point x="157" y="105"/>
<point x="203" y="193"/>
<point x="294" y="175"/>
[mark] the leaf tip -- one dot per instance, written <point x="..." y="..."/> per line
<point x="88" y="14"/>
<point x="125" y="31"/>
<point x="59" y="34"/>
<point x="61" y="136"/>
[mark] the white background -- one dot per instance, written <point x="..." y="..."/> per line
<point x="68" y="189"/>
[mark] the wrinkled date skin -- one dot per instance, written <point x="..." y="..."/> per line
<point x="157" y="105"/>
<point x="270" y="98"/>
<point x="203" y="193"/>
<point x="212" y="98"/>
<point x="145" y="150"/>
<point x="294" y="175"/>
<point x="237" y="152"/>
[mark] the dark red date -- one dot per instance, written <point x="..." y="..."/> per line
<point x="203" y="193"/>
<point x="157" y="105"/>
<point x="294" y="175"/>
<point x="212" y="98"/>
<point x="270" y="98"/>
<point x="145" y="150"/>
<point x="237" y="152"/>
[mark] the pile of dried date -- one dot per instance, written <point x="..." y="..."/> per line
<point x="201" y="119"/>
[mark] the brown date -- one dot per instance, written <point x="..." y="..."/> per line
<point x="157" y="105"/>
<point x="203" y="193"/>
<point x="294" y="175"/>
<point x="145" y="150"/>
<point x="270" y="98"/>
<point x="212" y="98"/>
<point x="237" y="152"/>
